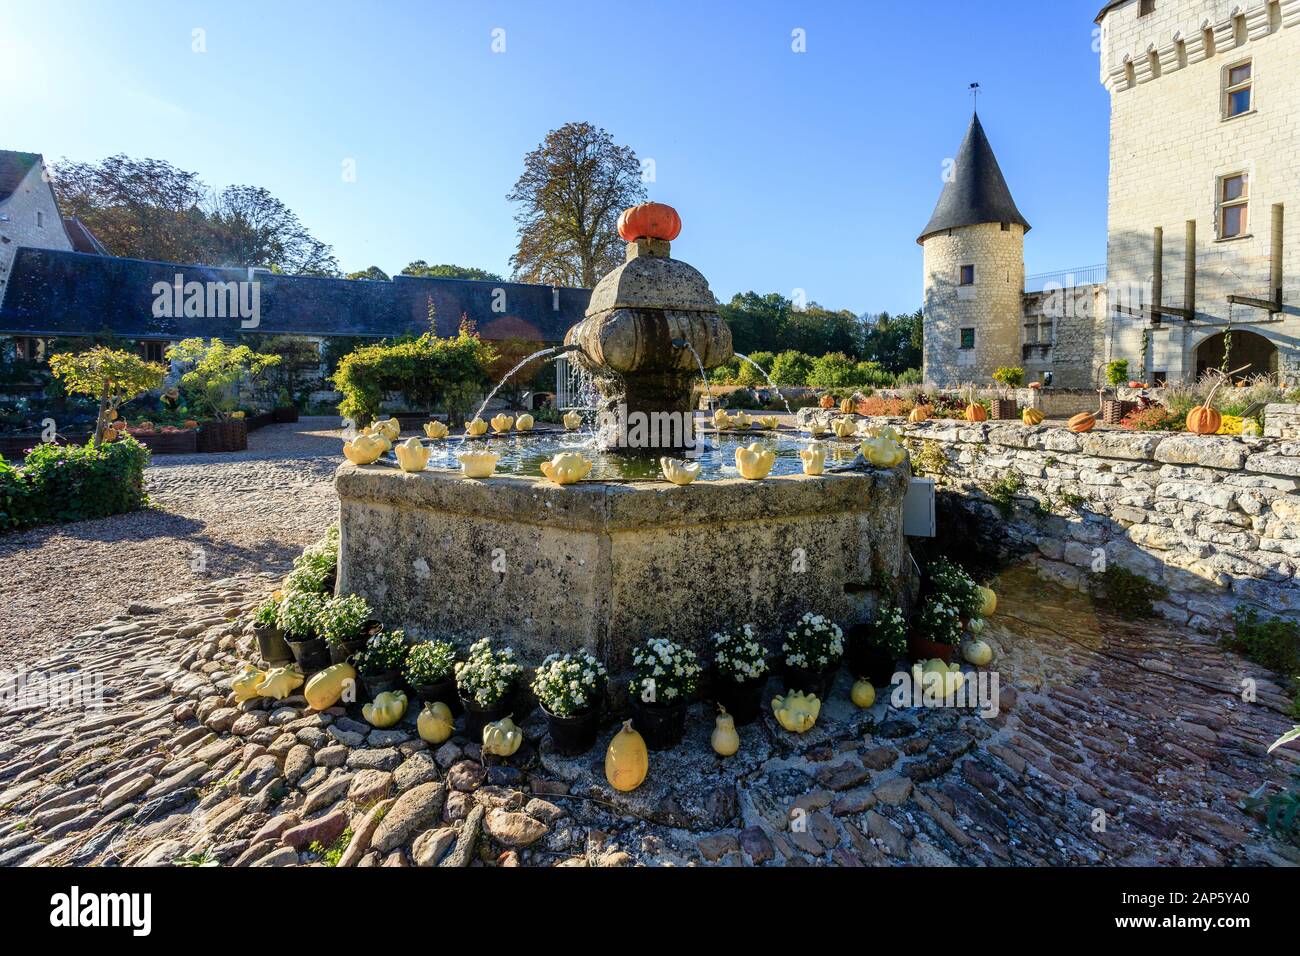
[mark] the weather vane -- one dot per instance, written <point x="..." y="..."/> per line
<point x="975" y="95"/>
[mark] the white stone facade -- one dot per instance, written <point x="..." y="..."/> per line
<point x="1172" y="145"/>
<point x="986" y="312"/>
<point x="29" y="217"/>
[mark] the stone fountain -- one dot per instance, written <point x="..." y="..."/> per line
<point x="604" y="565"/>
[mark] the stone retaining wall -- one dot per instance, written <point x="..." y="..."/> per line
<point x="1216" y="520"/>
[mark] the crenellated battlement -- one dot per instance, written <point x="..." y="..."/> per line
<point x="1138" y="49"/>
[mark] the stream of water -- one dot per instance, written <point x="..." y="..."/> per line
<point x="762" y="371"/>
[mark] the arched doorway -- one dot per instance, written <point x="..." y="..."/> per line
<point x="1247" y="348"/>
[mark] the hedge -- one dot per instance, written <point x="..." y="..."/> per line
<point x="424" y="370"/>
<point x="61" y="483"/>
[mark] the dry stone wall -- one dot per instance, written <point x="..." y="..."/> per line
<point x="1216" y="520"/>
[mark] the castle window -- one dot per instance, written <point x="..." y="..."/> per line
<point x="1234" y="196"/>
<point x="40" y="219"/>
<point x="1146" y="7"/>
<point x="153" y="351"/>
<point x="967" y="339"/>
<point x="1237" y="83"/>
<point x="967" y="275"/>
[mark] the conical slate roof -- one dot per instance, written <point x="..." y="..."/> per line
<point x="977" y="193"/>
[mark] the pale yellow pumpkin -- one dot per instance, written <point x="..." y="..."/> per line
<point x="385" y="710"/>
<point x="412" y="456"/>
<point x="1032" y="417"/>
<point x="478" y="464"/>
<point x="755" y="462"/>
<point x="389" y="428"/>
<point x="245" y="684"/>
<point x="524" y="423"/>
<point x="365" y="449"/>
<point x="572" y="421"/>
<point x="280" y="682"/>
<point x="797" y="712"/>
<point x="502" y="423"/>
<point x="436" y="430"/>
<point x="768" y="423"/>
<point x="326" y="688"/>
<point x="945" y="679"/>
<point x="502" y="738"/>
<point x="978" y="653"/>
<point x="626" y="761"/>
<point x="863" y="694"/>
<point x="435" y="725"/>
<point x="844" y="427"/>
<point x="566" y="468"/>
<point x="725" y="740"/>
<point x="813" y="458"/>
<point x="476" y="428"/>
<point x="988" y="602"/>
<point x="883" y="452"/>
<point x="679" y="472"/>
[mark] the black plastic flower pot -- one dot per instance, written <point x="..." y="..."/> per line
<point x="271" y="645"/>
<point x="867" y="662"/>
<point x="817" y="683"/>
<point x="478" y="716"/>
<point x="662" y="726"/>
<point x="344" y="651"/>
<point x="442" y="692"/>
<point x="743" y="700"/>
<point x="375" y="684"/>
<point x="921" y="649"/>
<point x="312" y="655"/>
<point x="574" y="735"/>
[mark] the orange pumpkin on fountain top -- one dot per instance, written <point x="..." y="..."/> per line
<point x="650" y="220"/>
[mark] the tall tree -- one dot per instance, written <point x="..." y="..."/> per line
<point x="374" y="273"/>
<point x="573" y="187"/>
<point x="150" y="209"/>
<point x="448" y="271"/>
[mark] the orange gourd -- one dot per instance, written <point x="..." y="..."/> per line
<point x="847" y="406"/>
<point x="1083" y="422"/>
<point x="1205" y="419"/>
<point x="974" y="411"/>
<point x="919" y="414"/>
<point x="827" y="401"/>
<point x="650" y="220"/>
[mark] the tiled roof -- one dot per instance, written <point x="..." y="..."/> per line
<point x="14" y="168"/>
<point x="977" y="192"/>
<point x="82" y="239"/>
<point x="52" y="292"/>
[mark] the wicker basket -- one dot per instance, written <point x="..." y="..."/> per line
<point x="223" y="436"/>
<point x="1004" y="409"/>
<point x="1114" y="411"/>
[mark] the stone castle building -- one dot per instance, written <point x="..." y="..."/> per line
<point x="1204" y="163"/>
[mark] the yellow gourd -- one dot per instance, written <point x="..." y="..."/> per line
<point x="626" y="761"/>
<point x="846" y="406"/>
<point x="386" y="709"/>
<point x="502" y="423"/>
<point x="1032" y="417"/>
<point x="863" y="694"/>
<point x="797" y="712"/>
<point x="977" y="653"/>
<point x="844" y="427"/>
<point x="388" y="428"/>
<point x="435" y="725"/>
<point x="919" y="414"/>
<point x="566" y="468"/>
<point x="679" y="472"/>
<point x="280" y="683"/>
<point x="947" y="678"/>
<point x="741" y="421"/>
<point x="813" y="458"/>
<point x="755" y="462"/>
<point x="721" y="420"/>
<point x="478" y="464"/>
<point x="365" y="449"/>
<point x="768" y="423"/>
<point x="524" y="423"/>
<point x="572" y="421"/>
<point x="990" y="602"/>
<point x="436" y="430"/>
<point x="476" y="428"/>
<point x="412" y="456"/>
<point x="816" y="429"/>
<point x="502" y="738"/>
<point x="327" y="687"/>
<point x="883" y="452"/>
<point x="725" y="740"/>
<point x="245" y="685"/>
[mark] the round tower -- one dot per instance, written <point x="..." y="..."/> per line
<point x="974" y="270"/>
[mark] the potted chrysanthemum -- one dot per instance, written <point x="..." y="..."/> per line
<point x="664" y="675"/>
<point x="875" y="646"/>
<point x="266" y="629"/>
<point x="299" y="618"/>
<point x="813" y="650"/>
<point x="430" y="669"/>
<point x="938" y="630"/>
<point x="950" y="583"/>
<point x="739" y="673"/>
<point x="346" y="625"/>
<point x="570" y="688"/>
<point x="486" y="682"/>
<point x="379" y="664"/>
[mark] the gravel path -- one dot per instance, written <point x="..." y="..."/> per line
<point x="212" y="516"/>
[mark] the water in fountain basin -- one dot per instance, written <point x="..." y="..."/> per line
<point x="762" y="371"/>
<point x="549" y="354"/>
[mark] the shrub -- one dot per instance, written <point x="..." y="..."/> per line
<point x="888" y="629"/>
<point x="301" y="615"/>
<point x="1009" y="376"/>
<point x="424" y="370"/>
<point x="384" y="653"/>
<point x="344" y="619"/>
<point x="891" y="407"/>
<point x="61" y="483"/>
<point x="951" y="585"/>
<point x="939" y="621"/>
<point x="792" y="368"/>
<point x="314" y="569"/>
<point x="813" y="644"/>
<point x="216" y="372"/>
<point x="740" y="398"/>
<point x="1273" y="642"/>
<point x="746" y="374"/>
<point x="1152" y="419"/>
<point x="430" y="662"/>
<point x="833" y="370"/>
<point x="1117" y="372"/>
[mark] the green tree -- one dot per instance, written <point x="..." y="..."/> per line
<point x="572" y="191"/>
<point x="110" y="375"/>
<point x="792" y="368"/>
<point x="373" y="273"/>
<point x="215" y="373"/>
<point x="751" y="377"/>
<point x="895" y="342"/>
<point x="448" y="271"/>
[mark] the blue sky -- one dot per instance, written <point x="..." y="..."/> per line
<point x="811" y="171"/>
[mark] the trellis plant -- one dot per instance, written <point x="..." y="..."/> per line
<point x="664" y="672"/>
<point x="430" y="662"/>
<point x="570" y="684"/>
<point x="739" y="657"/>
<point x="487" y="676"/>
<point x="815" y="643"/>
<point x="110" y="375"/>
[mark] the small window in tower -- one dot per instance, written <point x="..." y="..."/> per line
<point x="1237" y="83"/>
<point x="1234" y="196"/>
<point x="1146" y="7"/>
<point x="967" y="339"/>
<point x="967" y="275"/>
<point x="1006" y="227"/>
<point x="40" y="220"/>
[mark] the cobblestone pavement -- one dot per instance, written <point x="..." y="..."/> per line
<point x="212" y="516"/>
<point x="1114" y="743"/>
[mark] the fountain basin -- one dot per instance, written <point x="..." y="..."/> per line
<point x="604" y="565"/>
